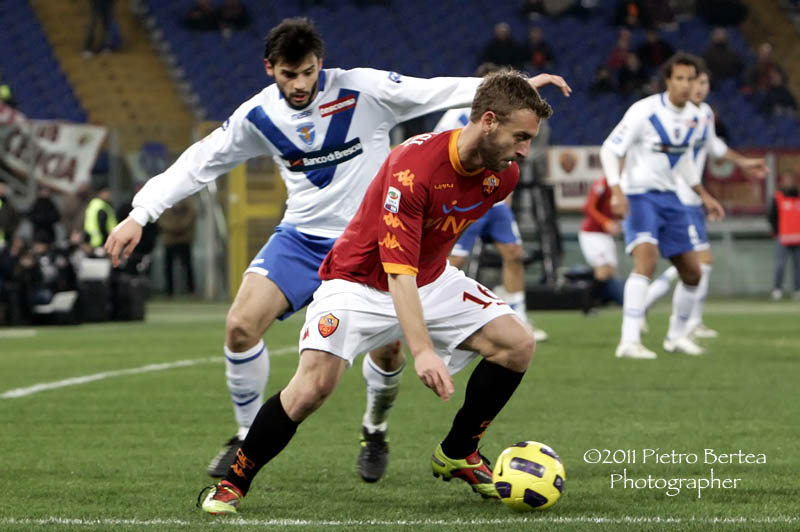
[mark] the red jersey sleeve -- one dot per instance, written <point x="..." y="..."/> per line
<point x="592" y="203"/>
<point x="401" y="220"/>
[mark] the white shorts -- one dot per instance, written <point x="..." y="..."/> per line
<point x="347" y="319"/>
<point x="599" y="249"/>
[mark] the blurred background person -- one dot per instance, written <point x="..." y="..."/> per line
<point x="503" y="49"/>
<point x="44" y="215"/>
<point x="596" y="239"/>
<point x="99" y="219"/>
<point x="177" y="232"/>
<point x="97" y="40"/>
<point x="721" y="59"/>
<point x="784" y="217"/>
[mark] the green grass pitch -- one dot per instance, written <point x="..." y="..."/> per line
<point x="128" y="450"/>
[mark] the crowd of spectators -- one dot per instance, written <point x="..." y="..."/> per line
<point x="44" y="246"/>
<point x="204" y="15"/>
<point x="631" y="68"/>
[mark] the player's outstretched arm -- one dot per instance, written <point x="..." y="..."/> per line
<point x="540" y="80"/>
<point x="430" y="368"/>
<point x="754" y="166"/>
<point x="123" y="240"/>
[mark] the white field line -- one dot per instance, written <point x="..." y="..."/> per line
<point x="17" y="333"/>
<point x="44" y="386"/>
<point x="552" y="520"/>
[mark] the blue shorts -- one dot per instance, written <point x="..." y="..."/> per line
<point x="697" y="229"/>
<point x="497" y="225"/>
<point x="658" y="218"/>
<point x="291" y="259"/>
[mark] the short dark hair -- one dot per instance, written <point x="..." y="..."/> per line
<point x="680" y="58"/>
<point x="504" y="92"/>
<point x="292" y="40"/>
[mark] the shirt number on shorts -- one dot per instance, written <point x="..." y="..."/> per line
<point x="694" y="238"/>
<point x="483" y="303"/>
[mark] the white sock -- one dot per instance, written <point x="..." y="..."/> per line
<point x="682" y="304"/>
<point x="700" y="299"/>
<point x="660" y="286"/>
<point x="633" y="308"/>
<point x="382" y="388"/>
<point x="247" y="375"/>
<point x="516" y="300"/>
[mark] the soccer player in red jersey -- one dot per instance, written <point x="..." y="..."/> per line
<point x="596" y="239"/>
<point x="390" y="264"/>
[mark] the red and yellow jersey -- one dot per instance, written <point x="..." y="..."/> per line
<point x="597" y="207"/>
<point x="416" y="207"/>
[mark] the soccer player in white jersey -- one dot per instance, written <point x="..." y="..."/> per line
<point x="655" y="139"/>
<point x="707" y="143"/>
<point x="498" y="226"/>
<point x="328" y="132"/>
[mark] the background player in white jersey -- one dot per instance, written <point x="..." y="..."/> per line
<point x="328" y="132"/>
<point x="498" y="226"/>
<point x="655" y="138"/>
<point x="707" y="142"/>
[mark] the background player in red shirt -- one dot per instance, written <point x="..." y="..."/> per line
<point x="390" y="263"/>
<point x="596" y="238"/>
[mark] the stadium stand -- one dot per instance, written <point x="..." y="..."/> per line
<point x="427" y="50"/>
<point x="29" y="65"/>
<point x="208" y="62"/>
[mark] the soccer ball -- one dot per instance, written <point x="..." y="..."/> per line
<point x="529" y="476"/>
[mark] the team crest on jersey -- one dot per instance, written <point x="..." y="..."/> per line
<point x="306" y="133"/>
<point x="392" y="202"/>
<point x="490" y="184"/>
<point x="327" y="325"/>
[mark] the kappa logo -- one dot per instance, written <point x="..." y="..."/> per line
<point x="298" y="116"/>
<point x="392" y="202"/>
<point x="242" y="463"/>
<point x="225" y="124"/>
<point x="406" y="178"/>
<point x="390" y="241"/>
<point x="394" y="222"/>
<point x="327" y="325"/>
<point x="490" y="184"/>
<point x="306" y="133"/>
<point x="337" y="106"/>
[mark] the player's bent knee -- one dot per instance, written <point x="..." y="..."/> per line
<point x="517" y="354"/>
<point x="521" y="354"/>
<point x="240" y="333"/>
<point x="306" y="393"/>
<point x="692" y="277"/>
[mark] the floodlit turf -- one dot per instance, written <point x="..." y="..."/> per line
<point x="129" y="451"/>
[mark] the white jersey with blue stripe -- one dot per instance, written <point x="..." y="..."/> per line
<point x="327" y="153"/>
<point x="453" y="119"/>
<point x="706" y="141"/>
<point x="655" y="137"/>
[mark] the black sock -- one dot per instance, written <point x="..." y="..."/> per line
<point x="489" y="388"/>
<point x="271" y="431"/>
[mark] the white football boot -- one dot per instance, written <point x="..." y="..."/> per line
<point x="703" y="331"/>
<point x="634" y="350"/>
<point x="683" y="345"/>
